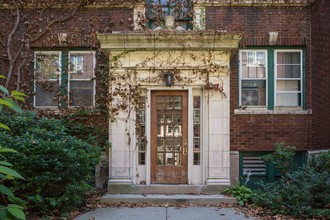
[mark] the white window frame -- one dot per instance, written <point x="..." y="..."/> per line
<point x="241" y="77"/>
<point x="289" y="79"/>
<point x="82" y="80"/>
<point x="59" y="53"/>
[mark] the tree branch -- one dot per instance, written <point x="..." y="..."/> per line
<point x="21" y="64"/>
<point x="9" y="41"/>
<point x="51" y="23"/>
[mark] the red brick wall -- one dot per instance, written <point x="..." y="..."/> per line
<point x="292" y="23"/>
<point x="81" y="31"/>
<point x="321" y="73"/>
<point x="259" y="132"/>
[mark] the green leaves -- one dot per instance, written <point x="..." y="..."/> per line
<point x="7" y="150"/>
<point x="16" y="211"/>
<point x="282" y="157"/>
<point x="9" y="99"/>
<point x="242" y="193"/>
<point x="18" y="95"/>
<point x="10" y="103"/>
<point x="5" y="190"/>
<point x="4" y="126"/>
<point x="10" y="172"/>
<point x="4" y="90"/>
<point x="55" y="164"/>
<point x="12" y="211"/>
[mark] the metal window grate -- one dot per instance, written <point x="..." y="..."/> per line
<point x="253" y="165"/>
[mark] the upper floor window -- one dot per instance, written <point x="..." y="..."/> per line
<point x="271" y="78"/>
<point x="288" y="72"/>
<point x="47" y="71"/>
<point x="81" y="74"/>
<point x="253" y="77"/>
<point x="61" y="74"/>
<point x="181" y="10"/>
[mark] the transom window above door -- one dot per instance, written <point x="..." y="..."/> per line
<point x="181" y="10"/>
<point x="271" y="78"/>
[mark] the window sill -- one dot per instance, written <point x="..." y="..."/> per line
<point x="276" y="111"/>
<point x="58" y="111"/>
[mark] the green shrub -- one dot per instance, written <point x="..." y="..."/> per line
<point x="55" y="165"/>
<point x="242" y="193"/>
<point x="304" y="193"/>
<point x="282" y="157"/>
<point x="320" y="162"/>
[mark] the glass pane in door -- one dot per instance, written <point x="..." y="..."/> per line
<point x="169" y="126"/>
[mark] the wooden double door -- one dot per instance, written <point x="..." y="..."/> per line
<point x="169" y="137"/>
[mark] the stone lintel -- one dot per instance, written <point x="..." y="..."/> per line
<point x="169" y="40"/>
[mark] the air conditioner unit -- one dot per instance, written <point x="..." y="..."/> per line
<point x="250" y="97"/>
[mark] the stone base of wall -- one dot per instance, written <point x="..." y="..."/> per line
<point x="234" y="167"/>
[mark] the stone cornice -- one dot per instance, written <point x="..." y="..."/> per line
<point x="253" y="2"/>
<point x="141" y="3"/>
<point x="169" y="40"/>
<point x="74" y="4"/>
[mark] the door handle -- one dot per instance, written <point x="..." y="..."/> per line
<point x="185" y="148"/>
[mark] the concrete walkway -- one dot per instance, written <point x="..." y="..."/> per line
<point x="164" y="213"/>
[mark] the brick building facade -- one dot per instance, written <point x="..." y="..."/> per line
<point x="259" y="130"/>
<point x="273" y="90"/>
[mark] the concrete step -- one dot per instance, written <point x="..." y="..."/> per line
<point x="164" y="189"/>
<point x="169" y="199"/>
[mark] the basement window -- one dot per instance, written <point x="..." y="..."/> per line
<point x="253" y="165"/>
<point x="254" y="170"/>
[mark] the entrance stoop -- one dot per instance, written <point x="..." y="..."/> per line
<point x="169" y="199"/>
<point x="167" y="194"/>
<point x="165" y="189"/>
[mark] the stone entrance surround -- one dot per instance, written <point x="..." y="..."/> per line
<point x="143" y="56"/>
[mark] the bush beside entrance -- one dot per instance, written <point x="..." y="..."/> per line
<point x="55" y="164"/>
<point x="304" y="193"/>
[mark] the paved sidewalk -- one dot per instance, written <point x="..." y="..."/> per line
<point x="164" y="213"/>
